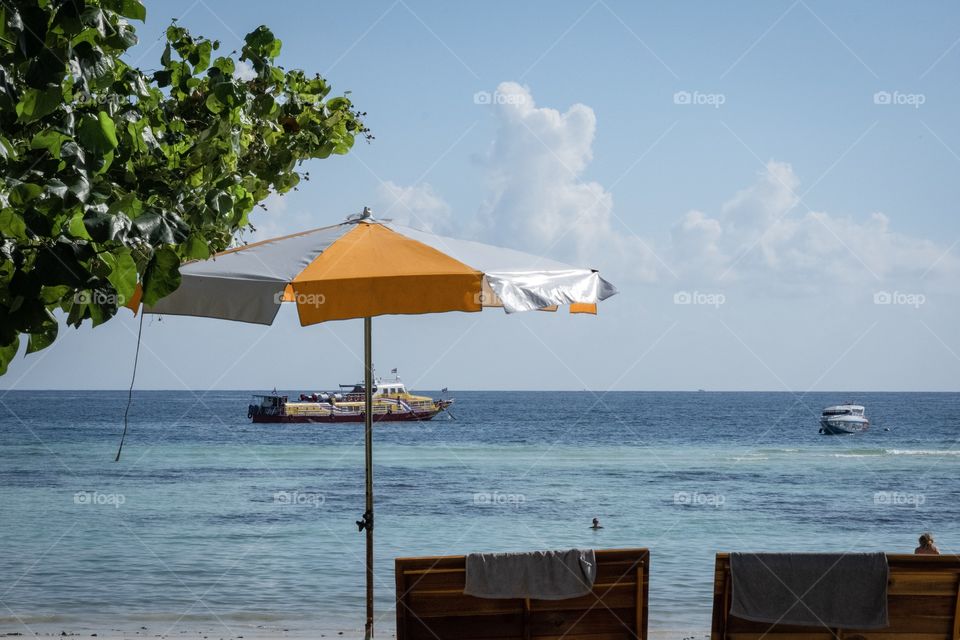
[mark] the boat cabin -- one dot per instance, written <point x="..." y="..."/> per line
<point x="844" y="410"/>
<point x="381" y="389"/>
<point x="267" y="405"/>
<point x="390" y="389"/>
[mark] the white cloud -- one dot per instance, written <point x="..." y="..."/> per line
<point x="416" y="206"/>
<point x="763" y="235"/>
<point x="697" y="240"/>
<point x="537" y="201"/>
<point x="244" y="71"/>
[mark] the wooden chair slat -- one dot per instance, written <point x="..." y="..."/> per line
<point x="923" y="603"/>
<point x="431" y="604"/>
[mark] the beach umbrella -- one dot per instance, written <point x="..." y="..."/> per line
<point x="364" y="268"/>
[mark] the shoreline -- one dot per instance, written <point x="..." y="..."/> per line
<point x="256" y="633"/>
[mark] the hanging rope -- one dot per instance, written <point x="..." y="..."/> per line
<point x="133" y="377"/>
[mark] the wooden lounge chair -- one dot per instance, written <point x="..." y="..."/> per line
<point x="923" y="603"/>
<point x="431" y="604"/>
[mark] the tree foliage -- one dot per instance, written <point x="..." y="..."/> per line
<point x="111" y="177"/>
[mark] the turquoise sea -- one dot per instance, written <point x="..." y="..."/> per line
<point x="210" y="522"/>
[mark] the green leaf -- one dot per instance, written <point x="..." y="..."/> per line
<point x="200" y="56"/>
<point x="44" y="337"/>
<point x="162" y="78"/>
<point x="123" y="273"/>
<point x="97" y="133"/>
<point x="132" y="9"/>
<point x="137" y="83"/>
<point x="8" y="352"/>
<point x="79" y="187"/>
<point x="7" y="150"/>
<point x="62" y="263"/>
<point x="213" y="104"/>
<point x="197" y="248"/>
<point x="264" y="105"/>
<point x="162" y="276"/>
<point x="128" y="204"/>
<point x="53" y="295"/>
<point x="105" y="227"/>
<point x="105" y="161"/>
<point x="24" y="193"/>
<point x="79" y="309"/>
<point x="97" y="67"/>
<point x="56" y="188"/>
<point x="77" y="228"/>
<point x="225" y="65"/>
<point x="262" y="43"/>
<point x="100" y="313"/>
<point x="50" y="140"/>
<point x="124" y="37"/>
<point x="12" y="225"/>
<point x="4" y="31"/>
<point x="158" y="229"/>
<point x="108" y="128"/>
<point x="36" y="103"/>
<point x="108" y="175"/>
<point x="90" y="36"/>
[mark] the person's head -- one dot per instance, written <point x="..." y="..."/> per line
<point x="926" y="539"/>
<point x="595" y="522"/>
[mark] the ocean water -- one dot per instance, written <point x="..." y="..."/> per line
<point x="211" y="522"/>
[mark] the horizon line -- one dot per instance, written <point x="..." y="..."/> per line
<point x="784" y="391"/>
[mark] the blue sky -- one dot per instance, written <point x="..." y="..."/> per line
<point x="786" y="164"/>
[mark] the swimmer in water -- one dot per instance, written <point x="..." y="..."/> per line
<point x="596" y="524"/>
<point x="927" y="546"/>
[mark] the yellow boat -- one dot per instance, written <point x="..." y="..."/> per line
<point x="392" y="402"/>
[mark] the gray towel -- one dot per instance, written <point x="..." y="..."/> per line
<point x="541" y="575"/>
<point x="811" y="589"/>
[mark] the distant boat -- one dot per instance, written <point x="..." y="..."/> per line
<point x="843" y="419"/>
<point x="391" y="403"/>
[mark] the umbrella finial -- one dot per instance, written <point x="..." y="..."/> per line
<point x="366" y="214"/>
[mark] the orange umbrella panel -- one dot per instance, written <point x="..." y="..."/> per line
<point x="372" y="270"/>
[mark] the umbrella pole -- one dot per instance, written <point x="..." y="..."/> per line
<point x="368" y="449"/>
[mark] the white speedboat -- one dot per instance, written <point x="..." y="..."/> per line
<point x="843" y="418"/>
